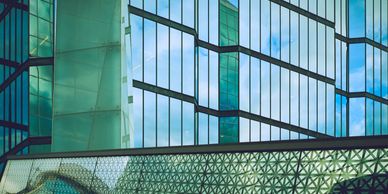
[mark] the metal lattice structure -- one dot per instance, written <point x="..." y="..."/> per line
<point x="298" y="171"/>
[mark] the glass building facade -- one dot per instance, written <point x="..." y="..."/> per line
<point x="215" y="72"/>
<point x="255" y="77"/>
<point x="14" y="76"/>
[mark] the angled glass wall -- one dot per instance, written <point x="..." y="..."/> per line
<point x="250" y="70"/>
<point x="14" y="107"/>
<point x="41" y="74"/>
<point x="361" y="66"/>
<point x="88" y="110"/>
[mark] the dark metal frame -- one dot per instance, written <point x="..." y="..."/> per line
<point x="273" y="146"/>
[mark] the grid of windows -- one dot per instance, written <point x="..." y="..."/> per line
<point x="13" y="74"/>
<point x="266" y="70"/>
<point x="361" y="67"/>
<point x="41" y="28"/>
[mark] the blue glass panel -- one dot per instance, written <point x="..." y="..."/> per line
<point x="188" y="64"/>
<point x="162" y="120"/>
<point x="176" y="10"/>
<point x="175" y="60"/>
<point x="265" y="89"/>
<point x="163" y="55"/>
<point x="175" y="122"/>
<point x="203" y="128"/>
<point x="275" y="92"/>
<point x="275" y="30"/>
<point x="149" y="119"/>
<point x="356" y="18"/>
<point x="369" y="117"/>
<point x="188" y="123"/>
<point x="137" y="46"/>
<point x="255" y="85"/>
<point x="356" y="67"/>
<point x="213" y="129"/>
<point x="285" y="95"/>
<point x="244" y="130"/>
<point x="244" y="82"/>
<point x="213" y="80"/>
<point x="203" y="72"/>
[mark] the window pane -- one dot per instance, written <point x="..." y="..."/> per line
<point x="138" y="117"/>
<point x="188" y="123"/>
<point x="175" y="10"/>
<point x="321" y="107"/>
<point x="244" y="130"/>
<point x="149" y="52"/>
<point x="213" y="82"/>
<point x="244" y="23"/>
<point x="294" y="38"/>
<point x="275" y="92"/>
<point x="285" y="95"/>
<point x="244" y="82"/>
<point x="356" y="18"/>
<point x="265" y="89"/>
<point x="163" y="120"/>
<point x="321" y="49"/>
<point x="213" y="129"/>
<point x="312" y="104"/>
<point x="175" y="122"/>
<point x="304" y="42"/>
<point x="294" y="98"/>
<point x="228" y="130"/>
<point x="369" y="68"/>
<point x="163" y="6"/>
<point x="149" y="116"/>
<point x="303" y="101"/>
<point x="275" y="30"/>
<point x="137" y="46"/>
<point x="188" y="13"/>
<point x="213" y="22"/>
<point x="163" y="52"/>
<point x="255" y="85"/>
<point x="175" y="60"/>
<point x="255" y="25"/>
<point x="312" y="45"/>
<point x="203" y="20"/>
<point x="203" y="128"/>
<point x="203" y="77"/>
<point x="265" y="27"/>
<point x="188" y="64"/>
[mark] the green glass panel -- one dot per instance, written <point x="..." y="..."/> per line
<point x="88" y="106"/>
<point x="228" y="81"/>
<point x="228" y="130"/>
<point x="228" y="23"/>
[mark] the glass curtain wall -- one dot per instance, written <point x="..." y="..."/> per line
<point x="245" y="71"/>
<point x="14" y="106"/>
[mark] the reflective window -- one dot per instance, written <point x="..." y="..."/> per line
<point x="285" y="95"/>
<point x="265" y="89"/>
<point x="275" y="92"/>
<point x="244" y="82"/>
<point x="244" y="130"/>
<point x="175" y="60"/>
<point x="356" y="116"/>
<point x="163" y="55"/>
<point x="255" y="85"/>
<point x="149" y="52"/>
<point x="175" y="122"/>
<point x="203" y="128"/>
<point x="294" y="88"/>
<point x="188" y="123"/>
<point x="356" y="18"/>
<point x="149" y="119"/>
<point x="163" y="120"/>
